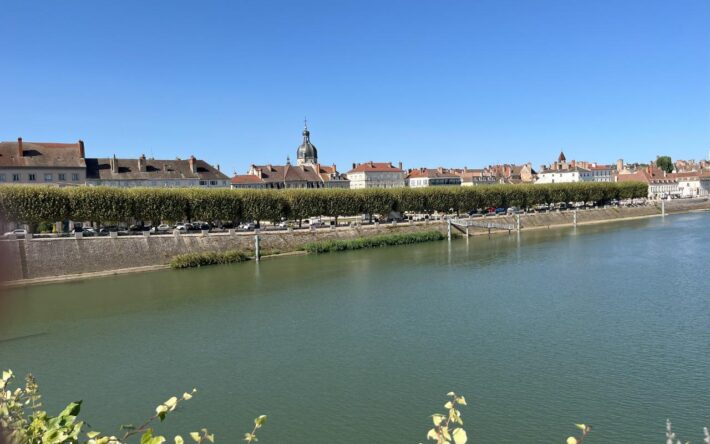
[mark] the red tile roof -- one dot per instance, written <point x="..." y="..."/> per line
<point x="376" y="167"/>
<point x="42" y="154"/>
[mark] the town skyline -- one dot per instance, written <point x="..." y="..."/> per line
<point x="473" y="83"/>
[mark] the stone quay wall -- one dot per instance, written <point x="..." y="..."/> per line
<point x="47" y="257"/>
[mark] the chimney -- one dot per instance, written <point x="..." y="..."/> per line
<point x="20" y="153"/>
<point x="218" y="167"/>
<point x="619" y="165"/>
<point x="141" y="163"/>
<point x="114" y="164"/>
<point x="440" y="170"/>
<point x="354" y="165"/>
<point x="193" y="167"/>
<point x="81" y="149"/>
<point x="508" y="171"/>
<point x="572" y="164"/>
<point x="399" y="164"/>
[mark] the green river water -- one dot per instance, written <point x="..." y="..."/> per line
<point x="606" y="324"/>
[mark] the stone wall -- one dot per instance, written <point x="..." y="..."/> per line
<point x="38" y="258"/>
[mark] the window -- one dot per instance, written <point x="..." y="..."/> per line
<point x="32" y="177"/>
<point x="2" y="178"/>
<point x="75" y="177"/>
<point x="48" y="177"/>
<point x="213" y="182"/>
<point x="15" y="177"/>
<point x="62" y="176"/>
<point x="203" y="182"/>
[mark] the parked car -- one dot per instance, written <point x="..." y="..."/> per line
<point x="282" y="225"/>
<point x="162" y="228"/>
<point x="501" y="210"/>
<point x="247" y="226"/>
<point x="20" y="232"/>
<point x="184" y="227"/>
<point x="316" y="223"/>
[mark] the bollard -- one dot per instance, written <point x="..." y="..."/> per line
<point x="257" y="253"/>
<point x="113" y="234"/>
<point x="231" y="231"/>
<point x="146" y="233"/>
<point x="78" y="234"/>
<point x="517" y="223"/>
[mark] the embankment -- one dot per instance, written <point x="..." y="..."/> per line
<point x="27" y="261"/>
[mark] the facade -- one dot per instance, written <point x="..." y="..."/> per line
<point x="290" y="176"/>
<point x="427" y="177"/>
<point x="142" y="172"/>
<point x="57" y="164"/>
<point x="376" y="175"/>
<point x="693" y="184"/>
<point x="602" y="173"/>
<point x="570" y="175"/>
<point x="307" y="173"/>
<point x="507" y="173"/>
<point x="476" y="177"/>
<point x="660" y="184"/>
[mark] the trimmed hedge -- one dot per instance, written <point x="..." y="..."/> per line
<point x="372" y="242"/>
<point x="33" y="204"/>
<point x="191" y="260"/>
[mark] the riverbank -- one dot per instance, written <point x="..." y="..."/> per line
<point x="35" y="261"/>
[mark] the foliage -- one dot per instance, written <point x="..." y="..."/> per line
<point x="448" y="427"/>
<point x="585" y="429"/>
<point x="665" y="163"/>
<point x="35" y="204"/>
<point x="21" y="421"/>
<point x="190" y="260"/>
<point x="328" y="246"/>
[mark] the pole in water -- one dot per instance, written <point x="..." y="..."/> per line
<point x="517" y="223"/>
<point x="448" y="230"/>
<point x="575" y="218"/>
<point x="663" y="208"/>
<point x="257" y="254"/>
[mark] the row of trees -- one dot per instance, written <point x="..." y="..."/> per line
<point x="36" y="204"/>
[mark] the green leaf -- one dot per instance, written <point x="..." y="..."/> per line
<point x="147" y="437"/>
<point x="433" y="435"/>
<point x="195" y="436"/>
<point x="179" y="440"/>
<point x="448" y="405"/>
<point x="93" y="435"/>
<point x="581" y="427"/>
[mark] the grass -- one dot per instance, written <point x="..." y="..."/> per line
<point x="191" y="260"/>
<point x="328" y="246"/>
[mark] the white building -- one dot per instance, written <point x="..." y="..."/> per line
<point x="693" y="185"/>
<point x="576" y="174"/>
<point x="427" y="177"/>
<point x="42" y="163"/>
<point x="602" y="173"/>
<point x="376" y="175"/>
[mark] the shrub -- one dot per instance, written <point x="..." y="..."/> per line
<point x="372" y="242"/>
<point x="191" y="260"/>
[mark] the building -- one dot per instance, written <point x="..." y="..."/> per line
<point x="376" y="175"/>
<point x="660" y="184"/>
<point x="58" y="164"/>
<point x="569" y="175"/>
<point x="143" y="172"/>
<point x="693" y="184"/>
<point x="602" y="173"/>
<point x="428" y="177"/>
<point x="507" y="173"/>
<point x="476" y="177"/>
<point x="307" y="173"/>
<point x="290" y="176"/>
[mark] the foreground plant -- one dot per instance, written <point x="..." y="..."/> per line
<point x="585" y="429"/>
<point x="22" y="421"/>
<point x="443" y="422"/>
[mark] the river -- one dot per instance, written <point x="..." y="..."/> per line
<point x="605" y="324"/>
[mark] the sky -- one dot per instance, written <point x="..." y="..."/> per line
<point x="429" y="83"/>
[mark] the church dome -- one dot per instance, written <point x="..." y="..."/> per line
<point x="307" y="152"/>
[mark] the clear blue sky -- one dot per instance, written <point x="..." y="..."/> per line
<point x="430" y="83"/>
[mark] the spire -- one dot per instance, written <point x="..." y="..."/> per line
<point x="288" y="160"/>
<point x="306" y="133"/>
